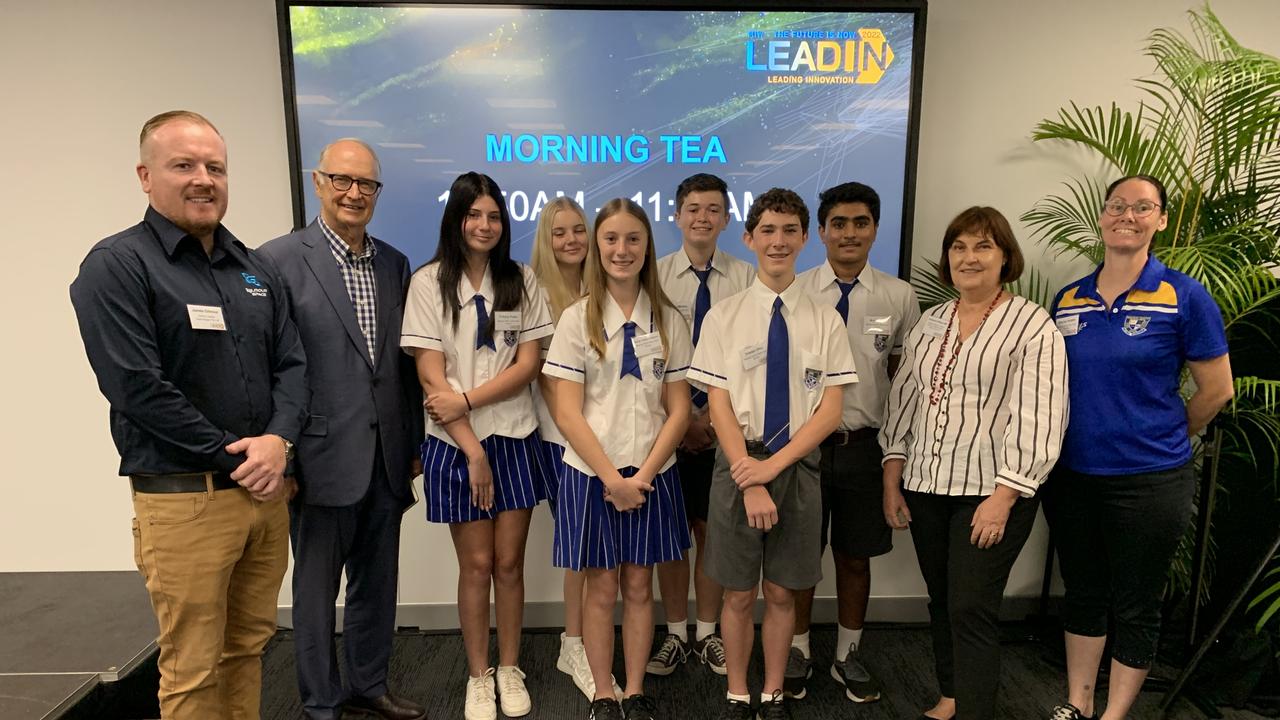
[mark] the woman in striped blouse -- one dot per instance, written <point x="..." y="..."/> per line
<point x="974" y="422"/>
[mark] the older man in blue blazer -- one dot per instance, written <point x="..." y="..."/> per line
<point x="357" y="452"/>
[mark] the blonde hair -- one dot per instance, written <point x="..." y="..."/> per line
<point x="596" y="282"/>
<point x="544" y="264"/>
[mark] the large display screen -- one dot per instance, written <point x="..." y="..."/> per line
<point x="599" y="103"/>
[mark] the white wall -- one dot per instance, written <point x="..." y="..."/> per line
<point x="82" y="76"/>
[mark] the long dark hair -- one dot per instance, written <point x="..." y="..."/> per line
<point x="451" y="251"/>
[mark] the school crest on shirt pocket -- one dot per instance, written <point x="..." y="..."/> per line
<point x="1135" y="325"/>
<point x="812" y="378"/>
<point x="659" y="368"/>
<point x="882" y="343"/>
<point x="509" y="337"/>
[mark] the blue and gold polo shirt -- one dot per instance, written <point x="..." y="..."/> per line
<point x="1125" y="363"/>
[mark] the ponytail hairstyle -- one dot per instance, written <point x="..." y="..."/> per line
<point x="596" y="280"/>
<point x="451" y="251"/>
<point x="545" y="266"/>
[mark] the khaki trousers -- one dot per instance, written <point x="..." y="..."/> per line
<point x="213" y="563"/>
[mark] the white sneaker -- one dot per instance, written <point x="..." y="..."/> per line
<point x="511" y="692"/>
<point x="573" y="662"/>
<point x="479" y="703"/>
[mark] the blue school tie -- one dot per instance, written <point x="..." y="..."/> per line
<point x="482" y="323"/>
<point x="842" y="305"/>
<point x="777" y="388"/>
<point x="701" y="301"/>
<point x="630" y="363"/>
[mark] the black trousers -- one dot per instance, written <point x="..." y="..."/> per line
<point x="365" y="540"/>
<point x="1116" y="536"/>
<point x="966" y="586"/>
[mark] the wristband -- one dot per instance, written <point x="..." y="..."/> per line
<point x="468" y="400"/>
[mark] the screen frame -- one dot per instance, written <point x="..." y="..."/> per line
<point x="918" y="8"/>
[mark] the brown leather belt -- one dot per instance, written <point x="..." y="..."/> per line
<point x="182" y="482"/>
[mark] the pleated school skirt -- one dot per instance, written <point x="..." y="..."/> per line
<point x="448" y="483"/>
<point x="590" y="532"/>
<point x="550" y="459"/>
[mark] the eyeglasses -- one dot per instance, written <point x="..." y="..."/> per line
<point x="1142" y="208"/>
<point x="342" y="183"/>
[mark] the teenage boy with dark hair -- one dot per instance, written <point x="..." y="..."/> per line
<point x="772" y="362"/>
<point x="695" y="277"/>
<point x="877" y="309"/>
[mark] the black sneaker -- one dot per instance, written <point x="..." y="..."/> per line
<point x="710" y="650"/>
<point x="671" y="653"/>
<point x="639" y="707"/>
<point x="799" y="670"/>
<point x="1067" y="711"/>
<point x="775" y="708"/>
<point x="605" y="709"/>
<point x="735" y="710"/>
<point x="859" y="686"/>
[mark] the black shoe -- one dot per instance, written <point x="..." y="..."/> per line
<point x="858" y="684"/>
<point x="735" y="710"/>
<point x="1067" y="711"/>
<point x="605" y="709"/>
<point x="671" y="653"/>
<point x="387" y="706"/>
<point x="639" y="707"/>
<point x="775" y="708"/>
<point x="799" y="670"/>
<point x="710" y="650"/>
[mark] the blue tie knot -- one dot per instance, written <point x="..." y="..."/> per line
<point x="842" y="305"/>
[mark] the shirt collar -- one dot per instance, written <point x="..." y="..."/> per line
<point x="341" y="250"/>
<point x="614" y="319"/>
<point x="827" y="277"/>
<point x="1148" y="280"/>
<point x="765" y="296"/>
<point x="717" y="262"/>
<point x="465" y="293"/>
<point x="171" y="236"/>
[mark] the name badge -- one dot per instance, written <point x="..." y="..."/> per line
<point x="752" y="356"/>
<point x="877" y="325"/>
<point x="206" y="317"/>
<point x="935" y="326"/>
<point x="506" y="320"/>
<point x="1068" y="325"/>
<point x="647" y="345"/>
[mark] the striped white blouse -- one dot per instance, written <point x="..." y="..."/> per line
<point x="1001" y="409"/>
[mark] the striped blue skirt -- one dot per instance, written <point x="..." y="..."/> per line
<point x="590" y="532"/>
<point x="550" y="460"/>
<point x="448" y="485"/>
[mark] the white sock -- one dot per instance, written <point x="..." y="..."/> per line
<point x="705" y="629"/>
<point x="739" y="698"/>
<point x="801" y="641"/>
<point x="570" y="639"/>
<point x="767" y="697"/>
<point x="844" y="638"/>
<point x="679" y="629"/>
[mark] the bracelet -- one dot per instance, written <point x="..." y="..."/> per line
<point x="464" y="397"/>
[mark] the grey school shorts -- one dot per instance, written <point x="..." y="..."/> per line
<point x="790" y="554"/>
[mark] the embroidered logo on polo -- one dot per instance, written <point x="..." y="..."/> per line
<point x="1135" y="325"/>
<point x="882" y="342"/>
<point x="252" y="286"/>
<point x="659" y="368"/>
<point x="812" y="378"/>
<point x="509" y="337"/>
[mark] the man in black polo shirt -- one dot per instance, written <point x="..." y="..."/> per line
<point x="192" y="345"/>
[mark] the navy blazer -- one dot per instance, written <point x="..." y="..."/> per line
<point x="354" y="405"/>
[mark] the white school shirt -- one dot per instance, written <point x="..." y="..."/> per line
<point x="547" y="427"/>
<point x="729" y="276"/>
<point x="1003" y="410"/>
<point x="882" y="309"/>
<point x="427" y="325"/>
<point x="625" y="413"/>
<point x="819" y="353"/>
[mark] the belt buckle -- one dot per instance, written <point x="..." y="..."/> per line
<point x="844" y="437"/>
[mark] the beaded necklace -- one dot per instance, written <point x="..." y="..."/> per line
<point x="939" y="376"/>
